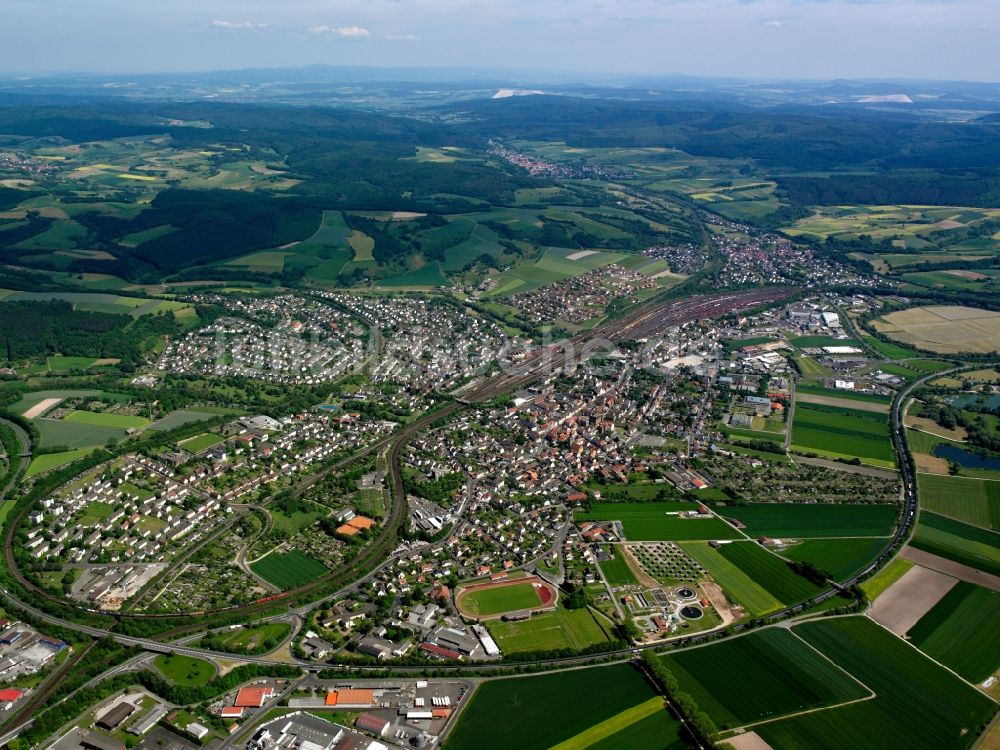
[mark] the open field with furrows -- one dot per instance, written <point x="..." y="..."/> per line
<point x="783" y="520"/>
<point x="969" y="545"/>
<point x="551" y="631"/>
<point x="658" y="522"/>
<point x="286" y="570"/>
<point x="943" y="329"/>
<point x="59" y="433"/>
<point x="817" y="388"/>
<point x="759" y="676"/>
<point x="972" y="501"/>
<point x="740" y="588"/>
<point x="499" y="599"/>
<point x="769" y="571"/>
<point x="918" y="705"/>
<point x="842" y="433"/>
<point x="841" y="558"/>
<point x="539" y="712"/>
<point x="961" y="631"/>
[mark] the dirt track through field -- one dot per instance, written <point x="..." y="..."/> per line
<point x="844" y="403"/>
<point x="910" y="598"/>
<point x="748" y="741"/>
<point x="951" y="568"/>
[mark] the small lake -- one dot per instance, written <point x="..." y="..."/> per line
<point x="965" y="458"/>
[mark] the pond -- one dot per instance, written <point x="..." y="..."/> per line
<point x="966" y="459"/>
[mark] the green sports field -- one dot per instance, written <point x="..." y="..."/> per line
<point x="918" y="705"/>
<point x="759" y="676"/>
<point x="497" y="600"/>
<point x="658" y="522"/>
<point x="973" y="501"/>
<point x="550" y="631"/>
<point x="841" y="558"/>
<point x="970" y="545"/>
<point x="540" y="712"/>
<point x="286" y="570"/>
<point x="961" y="631"/>
<point x="201" y="442"/>
<point x="799" y="520"/>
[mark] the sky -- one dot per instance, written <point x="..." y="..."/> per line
<point x="818" y="39"/>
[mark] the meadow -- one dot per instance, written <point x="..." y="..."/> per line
<point x="970" y="545"/>
<point x="60" y="433"/>
<point x="47" y="461"/>
<point x="554" y="265"/>
<point x="918" y="704"/>
<point x="617" y="570"/>
<point x="499" y="599"/>
<point x="837" y="432"/>
<point x="841" y="558"/>
<point x="550" y="631"/>
<point x="972" y="501"/>
<point x="649" y="522"/>
<point x="539" y="712"/>
<point x="122" y="421"/>
<point x="782" y="520"/>
<point x="286" y="570"/>
<point x="875" y="586"/>
<point x="186" y="671"/>
<point x="961" y="630"/>
<point x="759" y="676"/>
<point x="201" y="442"/>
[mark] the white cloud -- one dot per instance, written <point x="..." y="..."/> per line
<point x="348" y="32"/>
<point x="237" y="25"/>
<point x="773" y="24"/>
<point x="402" y="38"/>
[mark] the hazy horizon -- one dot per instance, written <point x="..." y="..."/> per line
<point x="746" y="39"/>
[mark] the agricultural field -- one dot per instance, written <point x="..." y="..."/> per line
<point x="121" y="421"/>
<point x="60" y="433"/>
<point x="540" y="712"/>
<point x="185" y="670"/>
<point x="875" y="586"/>
<point x="496" y="600"/>
<point x="759" y="676"/>
<point x="658" y="522"/>
<point x="842" y="433"/>
<point x="740" y="588"/>
<point x="48" y="461"/>
<point x="797" y="520"/>
<point x="972" y="501"/>
<point x="918" y="704"/>
<point x="841" y="558"/>
<point x="969" y="545"/>
<point x="106" y="303"/>
<point x="944" y="329"/>
<point x="555" y="264"/>
<point x="769" y="572"/>
<point x="550" y="631"/>
<point x="286" y="570"/>
<point x="888" y="349"/>
<point x="960" y="631"/>
<point x="181" y="417"/>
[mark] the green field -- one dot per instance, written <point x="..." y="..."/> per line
<point x="47" y="461"/>
<point x="617" y="571"/>
<point x="554" y="265"/>
<point x="60" y="433"/>
<point x="810" y="342"/>
<point x="919" y="705"/>
<point x="841" y="558"/>
<point x="609" y="728"/>
<point x="739" y="587"/>
<point x="539" y="712"/>
<point x="889" y="350"/>
<point x="970" y="545"/>
<point x="799" y="520"/>
<point x="201" y="442"/>
<point x="837" y="432"/>
<point x="95" y="513"/>
<point x="650" y="522"/>
<point x="657" y="732"/>
<point x="875" y="586"/>
<point x="961" y="631"/>
<point x="973" y="501"/>
<point x="759" y="676"/>
<point x="769" y="572"/>
<point x="181" y="417"/>
<point x="248" y="639"/>
<point x="550" y="631"/>
<point x="121" y="421"/>
<point x="286" y="570"/>
<point x="495" y="601"/>
<point x="62" y="364"/>
<point x="185" y="670"/>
